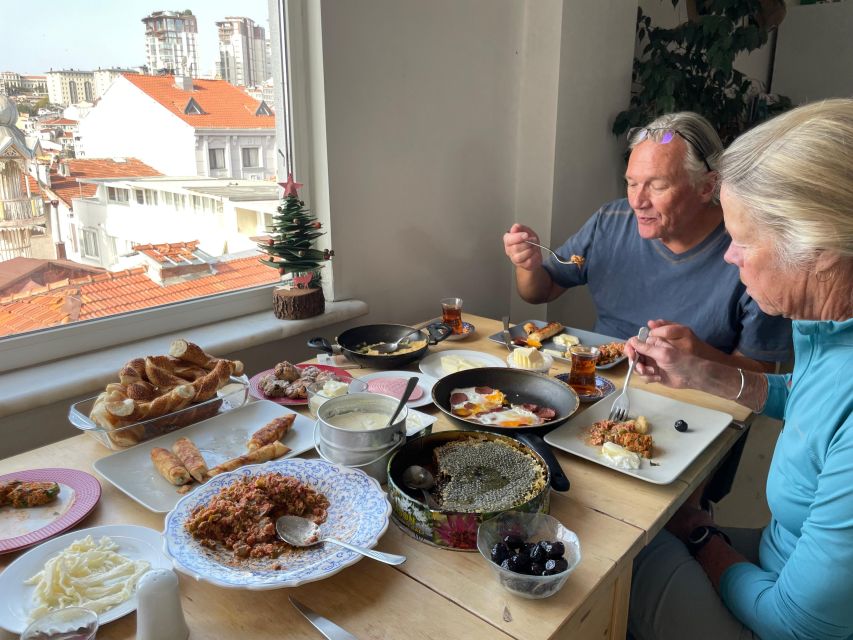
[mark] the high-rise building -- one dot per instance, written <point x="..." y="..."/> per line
<point x="243" y="59"/>
<point x="170" y="42"/>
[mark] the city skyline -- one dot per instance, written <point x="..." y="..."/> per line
<point x="107" y="34"/>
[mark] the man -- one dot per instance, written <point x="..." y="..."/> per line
<point x="659" y="254"/>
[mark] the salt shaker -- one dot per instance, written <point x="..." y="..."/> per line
<point x="159" y="615"/>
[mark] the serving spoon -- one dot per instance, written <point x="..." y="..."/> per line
<point x="391" y="347"/>
<point x="417" y="478"/>
<point x="302" y="532"/>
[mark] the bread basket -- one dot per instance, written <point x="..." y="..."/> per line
<point x="231" y="396"/>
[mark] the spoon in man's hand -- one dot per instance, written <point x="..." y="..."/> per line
<point x="302" y="532"/>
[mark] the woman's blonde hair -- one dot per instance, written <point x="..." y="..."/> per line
<point x="794" y="176"/>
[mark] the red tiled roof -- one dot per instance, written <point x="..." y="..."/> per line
<point x="58" y="121"/>
<point x="224" y="105"/>
<point x="110" y="293"/>
<point x="175" y="252"/>
<point x="67" y="187"/>
<point x="35" y="187"/>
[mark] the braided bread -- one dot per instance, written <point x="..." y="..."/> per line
<point x="190" y="352"/>
<point x="158" y="370"/>
<point x="133" y="371"/>
<point x="207" y="386"/>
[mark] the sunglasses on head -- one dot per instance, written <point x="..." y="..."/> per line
<point x="665" y="135"/>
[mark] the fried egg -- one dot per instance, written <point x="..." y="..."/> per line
<point x="487" y="406"/>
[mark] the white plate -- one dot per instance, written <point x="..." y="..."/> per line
<point x="135" y="543"/>
<point x="219" y="439"/>
<point x="431" y="364"/>
<point x="417" y="421"/>
<point x="358" y="513"/>
<point x="673" y="450"/>
<point x="425" y="382"/>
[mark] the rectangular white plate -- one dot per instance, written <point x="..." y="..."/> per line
<point x="586" y="337"/>
<point x="673" y="451"/>
<point x="219" y="439"/>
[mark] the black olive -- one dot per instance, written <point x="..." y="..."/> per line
<point x="519" y="563"/>
<point x="500" y="552"/>
<point x="560" y="565"/>
<point x="537" y="569"/>
<point x="680" y="425"/>
<point x="505" y="564"/>
<point x="557" y="550"/>
<point x="537" y="554"/>
<point x="528" y="546"/>
<point x="513" y="542"/>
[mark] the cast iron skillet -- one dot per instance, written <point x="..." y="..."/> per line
<point x="519" y="386"/>
<point x="351" y="340"/>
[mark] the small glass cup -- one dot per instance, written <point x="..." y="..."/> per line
<point x="451" y="314"/>
<point x="582" y="377"/>
<point x="316" y="395"/>
<point x="71" y="623"/>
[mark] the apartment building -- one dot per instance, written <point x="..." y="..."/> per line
<point x="183" y="127"/>
<point x="171" y="42"/>
<point x="243" y="52"/>
<point x="67" y="87"/>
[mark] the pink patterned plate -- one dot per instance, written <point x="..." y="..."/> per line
<point x="255" y="381"/>
<point x="79" y="492"/>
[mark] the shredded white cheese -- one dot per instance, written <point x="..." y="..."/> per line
<point x="86" y="574"/>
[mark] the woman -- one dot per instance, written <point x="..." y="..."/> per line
<point x="787" y="196"/>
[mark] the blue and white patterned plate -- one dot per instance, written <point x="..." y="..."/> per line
<point x="358" y="513"/>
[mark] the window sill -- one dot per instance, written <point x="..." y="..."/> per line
<point x="31" y="387"/>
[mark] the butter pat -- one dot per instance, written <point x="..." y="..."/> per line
<point x="566" y="340"/>
<point x="619" y="457"/>
<point x="528" y="358"/>
<point x="334" y="388"/>
<point x="452" y="364"/>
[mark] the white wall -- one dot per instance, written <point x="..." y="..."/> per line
<point x="149" y="132"/>
<point x="446" y="121"/>
<point x="814" y="53"/>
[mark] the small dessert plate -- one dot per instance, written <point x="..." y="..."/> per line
<point x="603" y="388"/>
<point x="468" y="330"/>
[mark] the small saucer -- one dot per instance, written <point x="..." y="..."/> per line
<point x="468" y="331"/>
<point x="603" y="388"/>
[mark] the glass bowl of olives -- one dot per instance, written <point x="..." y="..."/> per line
<point x="531" y="553"/>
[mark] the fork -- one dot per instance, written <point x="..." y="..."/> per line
<point x="556" y="257"/>
<point x="622" y="404"/>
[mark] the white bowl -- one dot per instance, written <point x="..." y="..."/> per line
<point x="546" y="365"/>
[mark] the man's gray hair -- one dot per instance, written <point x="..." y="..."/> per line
<point x="700" y="139"/>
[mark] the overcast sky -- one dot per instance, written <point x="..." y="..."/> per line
<point x="87" y="34"/>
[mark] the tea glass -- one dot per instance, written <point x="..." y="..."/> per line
<point x="71" y="623"/>
<point x="451" y="314"/>
<point x="582" y="377"/>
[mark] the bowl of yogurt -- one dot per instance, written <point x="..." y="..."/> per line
<point x="353" y="429"/>
<point x="320" y="392"/>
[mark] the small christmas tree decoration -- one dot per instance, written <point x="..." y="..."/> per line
<point x="289" y="249"/>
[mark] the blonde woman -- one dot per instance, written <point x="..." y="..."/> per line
<point x="787" y="196"/>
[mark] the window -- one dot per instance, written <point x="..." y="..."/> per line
<point x="250" y="157"/>
<point x="216" y="158"/>
<point x="118" y="195"/>
<point x="84" y="236"/>
<point x="90" y="243"/>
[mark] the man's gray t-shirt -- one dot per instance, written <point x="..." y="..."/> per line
<point x="633" y="280"/>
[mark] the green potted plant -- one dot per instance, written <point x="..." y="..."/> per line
<point x="290" y="250"/>
<point x="691" y="66"/>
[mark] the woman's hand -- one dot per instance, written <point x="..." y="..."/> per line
<point x="662" y="361"/>
<point x="686" y="519"/>
<point x="523" y="255"/>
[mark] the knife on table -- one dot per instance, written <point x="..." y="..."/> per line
<point x="506" y="335"/>
<point x="325" y="626"/>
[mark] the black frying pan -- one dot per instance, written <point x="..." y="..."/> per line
<point x="351" y="340"/>
<point x="519" y="386"/>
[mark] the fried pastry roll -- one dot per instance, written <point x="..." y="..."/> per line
<point x="262" y="454"/>
<point x="274" y="430"/>
<point x="168" y="466"/>
<point x="191" y="458"/>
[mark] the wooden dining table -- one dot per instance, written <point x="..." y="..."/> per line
<point x="436" y="593"/>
